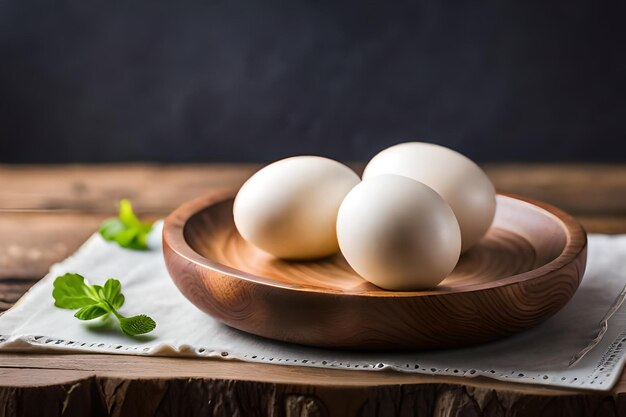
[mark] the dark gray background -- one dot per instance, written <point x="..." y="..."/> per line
<point x="84" y="80"/>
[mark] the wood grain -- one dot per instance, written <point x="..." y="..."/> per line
<point x="580" y="189"/>
<point x="45" y="207"/>
<point x="98" y="188"/>
<point x="527" y="267"/>
<point x="152" y="367"/>
<point x="80" y="394"/>
<point x="79" y="385"/>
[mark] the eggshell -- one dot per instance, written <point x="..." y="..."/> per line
<point x="398" y="233"/>
<point x="460" y="182"/>
<point x="289" y="208"/>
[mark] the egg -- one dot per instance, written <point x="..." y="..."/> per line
<point x="398" y="233"/>
<point x="460" y="182"/>
<point x="289" y="208"/>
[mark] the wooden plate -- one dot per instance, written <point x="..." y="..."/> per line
<point x="526" y="268"/>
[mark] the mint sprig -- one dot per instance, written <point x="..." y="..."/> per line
<point x="72" y="292"/>
<point x="126" y="229"/>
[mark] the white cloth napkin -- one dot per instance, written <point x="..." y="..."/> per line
<point x="541" y="355"/>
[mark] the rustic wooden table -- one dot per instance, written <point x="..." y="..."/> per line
<point x="46" y="212"/>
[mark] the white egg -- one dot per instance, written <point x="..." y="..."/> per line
<point x="289" y="208"/>
<point x="398" y="233"/>
<point x="460" y="182"/>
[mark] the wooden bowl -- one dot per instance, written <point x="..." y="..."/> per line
<point x="524" y="270"/>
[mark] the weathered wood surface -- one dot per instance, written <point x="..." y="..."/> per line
<point x="583" y="189"/>
<point x="47" y="212"/>
<point x="100" y="385"/>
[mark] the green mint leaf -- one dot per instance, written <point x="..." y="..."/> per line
<point x="126" y="230"/>
<point x="127" y="238"/>
<point x="110" y="228"/>
<point x="117" y="301"/>
<point x="112" y="287"/>
<point x="91" y="312"/>
<point x="135" y="325"/>
<point x="111" y="293"/>
<point x="71" y="292"/>
<point x="141" y="240"/>
<point x="127" y="215"/>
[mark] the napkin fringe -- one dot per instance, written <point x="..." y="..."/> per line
<point x="606" y="365"/>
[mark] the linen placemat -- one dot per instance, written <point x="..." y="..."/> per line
<point x="541" y="355"/>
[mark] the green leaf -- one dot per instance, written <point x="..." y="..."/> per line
<point x="118" y="301"/>
<point x="127" y="215"/>
<point x="110" y="228"/>
<point x="112" y="287"/>
<point x="126" y="230"/>
<point x="71" y="292"/>
<point x="111" y="293"/>
<point x="91" y="312"/>
<point x="135" y="325"/>
<point x="141" y="240"/>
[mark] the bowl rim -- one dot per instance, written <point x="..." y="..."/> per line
<point x="174" y="239"/>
